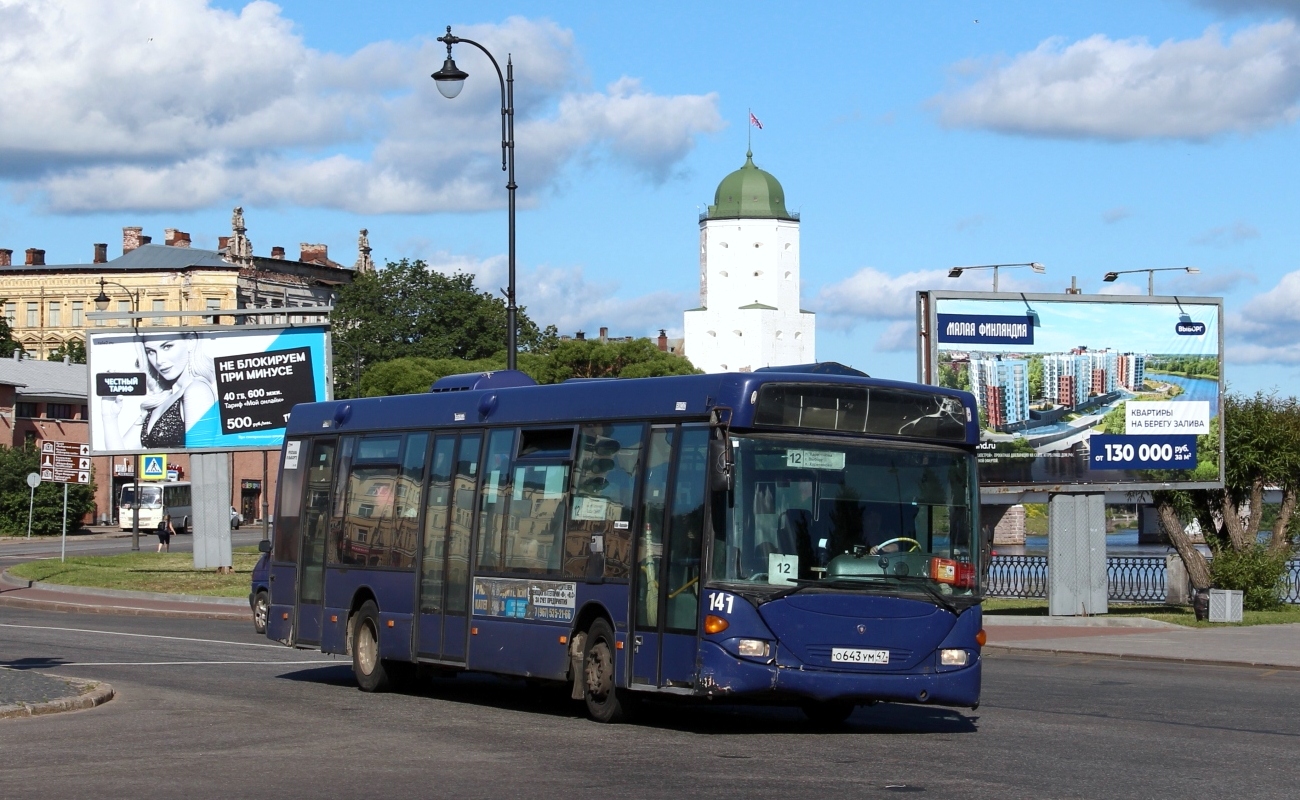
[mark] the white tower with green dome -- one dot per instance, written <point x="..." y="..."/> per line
<point x="749" y="315"/>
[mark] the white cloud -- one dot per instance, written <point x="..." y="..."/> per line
<point x="870" y="295"/>
<point x="1113" y="215"/>
<point x="1263" y="330"/>
<point x="900" y="336"/>
<point x="173" y="104"/>
<point x="1128" y="89"/>
<point x="1228" y="234"/>
<point x="567" y="298"/>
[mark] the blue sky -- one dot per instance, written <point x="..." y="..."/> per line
<point x="911" y="137"/>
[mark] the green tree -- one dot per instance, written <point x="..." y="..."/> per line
<point x="1262" y="445"/>
<point x="640" y="358"/>
<point x="408" y="310"/>
<point x="47" y="513"/>
<point x="1035" y="377"/>
<point x="74" y="349"/>
<point x="7" y="343"/>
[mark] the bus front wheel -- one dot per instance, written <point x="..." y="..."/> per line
<point x="828" y="713"/>
<point x="366" y="664"/>
<point x="605" y="703"/>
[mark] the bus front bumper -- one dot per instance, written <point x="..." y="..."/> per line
<point x="722" y="675"/>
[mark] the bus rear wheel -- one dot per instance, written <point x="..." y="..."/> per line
<point x="369" y="669"/>
<point x="605" y="703"/>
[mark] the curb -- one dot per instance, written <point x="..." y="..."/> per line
<point x="129" y="594"/>
<point x="98" y="694"/>
<point x="127" y="611"/>
<point x="1021" y="621"/>
<point x="1202" y="662"/>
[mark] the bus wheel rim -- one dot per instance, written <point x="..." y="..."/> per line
<point x="599" y="672"/>
<point x="367" y="648"/>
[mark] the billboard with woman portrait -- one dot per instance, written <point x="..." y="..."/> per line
<point x="174" y="390"/>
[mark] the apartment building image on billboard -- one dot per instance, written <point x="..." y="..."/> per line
<point x="1002" y="389"/>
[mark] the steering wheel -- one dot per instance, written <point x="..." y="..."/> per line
<point x="915" y="545"/>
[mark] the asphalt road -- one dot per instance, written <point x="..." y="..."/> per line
<point x="16" y="550"/>
<point x="207" y="709"/>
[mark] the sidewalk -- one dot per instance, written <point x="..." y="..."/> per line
<point x="1272" y="646"/>
<point x="50" y="597"/>
<point x="26" y="693"/>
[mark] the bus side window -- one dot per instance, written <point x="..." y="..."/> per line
<point x="367" y="529"/>
<point x="406" y="512"/>
<point x="495" y="499"/>
<point x="599" y="538"/>
<point x="290" y="505"/>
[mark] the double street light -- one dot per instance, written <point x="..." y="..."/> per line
<point x="956" y="272"/>
<point x="1111" y="277"/>
<point x="450" y="80"/>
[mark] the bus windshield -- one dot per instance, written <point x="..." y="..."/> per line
<point x="809" y="511"/>
<point x="150" y="496"/>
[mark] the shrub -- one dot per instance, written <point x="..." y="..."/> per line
<point x="1256" y="572"/>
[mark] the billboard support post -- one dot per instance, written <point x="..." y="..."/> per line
<point x="210" y="521"/>
<point x="1076" y="555"/>
<point x="135" y="507"/>
<point x="63" y="547"/>
<point x="266" y="487"/>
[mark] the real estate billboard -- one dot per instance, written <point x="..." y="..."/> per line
<point x="1083" y="392"/>
<point x="156" y="390"/>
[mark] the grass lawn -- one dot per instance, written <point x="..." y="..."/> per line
<point x="1181" y="615"/>
<point x="172" y="573"/>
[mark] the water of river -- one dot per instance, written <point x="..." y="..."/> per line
<point x="1193" y="388"/>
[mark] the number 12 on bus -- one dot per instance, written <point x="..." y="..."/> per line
<point x="790" y="535"/>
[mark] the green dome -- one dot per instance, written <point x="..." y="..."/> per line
<point x="749" y="193"/>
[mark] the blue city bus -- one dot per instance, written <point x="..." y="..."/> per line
<point x="803" y="535"/>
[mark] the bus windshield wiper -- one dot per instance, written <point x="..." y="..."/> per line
<point x="939" y="597"/>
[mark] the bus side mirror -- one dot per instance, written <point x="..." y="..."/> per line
<point x="264" y="546"/>
<point x="721" y="462"/>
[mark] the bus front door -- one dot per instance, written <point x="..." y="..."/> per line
<point x="668" y="558"/>
<point x="315" y="532"/>
<point x="444" y="585"/>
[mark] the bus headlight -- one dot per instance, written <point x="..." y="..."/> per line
<point x="755" y="648"/>
<point x="953" y="658"/>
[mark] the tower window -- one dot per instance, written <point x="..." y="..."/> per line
<point x="723" y="273"/>
<point x="758" y="272"/>
<point x="788" y="274"/>
<point x="738" y="332"/>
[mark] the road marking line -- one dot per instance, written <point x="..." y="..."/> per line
<point x="174" y="663"/>
<point x="1270" y="672"/>
<point x="142" y="635"/>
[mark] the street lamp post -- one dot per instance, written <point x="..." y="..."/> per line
<point x="101" y="304"/>
<point x="450" y="79"/>
<point x="956" y="272"/>
<point x="1111" y="277"/>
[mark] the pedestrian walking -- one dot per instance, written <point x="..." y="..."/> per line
<point x="165" y="533"/>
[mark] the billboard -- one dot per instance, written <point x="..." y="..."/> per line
<point x="1083" y="392"/>
<point x="156" y="390"/>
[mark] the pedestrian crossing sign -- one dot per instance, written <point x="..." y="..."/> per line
<point x="153" y="468"/>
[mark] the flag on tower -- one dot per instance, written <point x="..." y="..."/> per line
<point x="753" y="120"/>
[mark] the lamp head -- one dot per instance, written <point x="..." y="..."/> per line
<point x="1034" y="321"/>
<point x="101" y="302"/>
<point x="1039" y="268"/>
<point x="1193" y="271"/>
<point x="450" y="79"/>
<point x="1111" y="277"/>
<point x="955" y="272"/>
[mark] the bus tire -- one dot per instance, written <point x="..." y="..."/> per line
<point x="185" y="525"/>
<point x="261" y="611"/>
<point x="605" y="702"/>
<point x="828" y="713"/>
<point x="367" y="666"/>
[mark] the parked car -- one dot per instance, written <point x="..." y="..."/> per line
<point x="259" y="594"/>
<point x="236" y="518"/>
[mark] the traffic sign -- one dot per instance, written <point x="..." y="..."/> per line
<point x="65" y="462"/>
<point x="153" y="468"/>
<point x="33" y="480"/>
